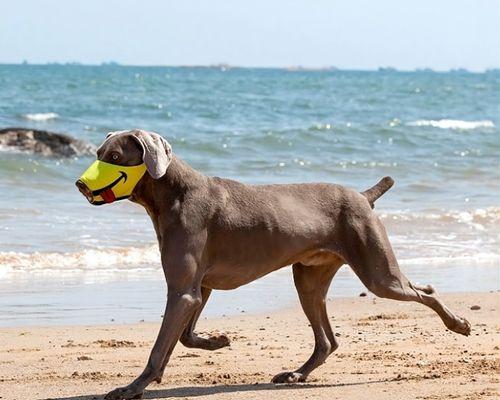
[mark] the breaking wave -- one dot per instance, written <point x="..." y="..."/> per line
<point x="478" y="218"/>
<point x="486" y="258"/>
<point x="459" y="243"/>
<point x="41" y="116"/>
<point x="453" y="124"/>
<point x="113" y="259"/>
<point x="147" y="259"/>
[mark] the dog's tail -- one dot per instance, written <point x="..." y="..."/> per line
<point x="378" y="190"/>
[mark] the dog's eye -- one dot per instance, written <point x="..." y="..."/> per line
<point x="114" y="156"/>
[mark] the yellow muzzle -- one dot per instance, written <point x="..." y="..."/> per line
<point x="104" y="183"/>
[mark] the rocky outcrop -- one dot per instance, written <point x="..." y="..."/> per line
<point x="45" y="143"/>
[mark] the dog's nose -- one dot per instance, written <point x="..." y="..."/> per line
<point x="82" y="187"/>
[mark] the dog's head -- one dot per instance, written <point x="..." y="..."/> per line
<point x="122" y="161"/>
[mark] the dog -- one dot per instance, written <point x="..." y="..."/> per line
<point x="216" y="233"/>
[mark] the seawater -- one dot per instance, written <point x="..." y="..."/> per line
<point x="436" y="134"/>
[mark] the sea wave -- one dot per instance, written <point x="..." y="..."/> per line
<point x="456" y="124"/>
<point x="41" y="116"/>
<point x="112" y="259"/>
<point x="141" y="260"/>
<point x="485" y="258"/>
<point x="477" y="218"/>
<point x="11" y="149"/>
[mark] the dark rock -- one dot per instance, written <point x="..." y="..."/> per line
<point x="44" y="143"/>
<point x="363" y="294"/>
<point x="475" y="307"/>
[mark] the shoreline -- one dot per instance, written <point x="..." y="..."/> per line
<point x="41" y="300"/>
<point x="289" y="307"/>
<point x="388" y="350"/>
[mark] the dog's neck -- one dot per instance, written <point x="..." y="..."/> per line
<point x="159" y="195"/>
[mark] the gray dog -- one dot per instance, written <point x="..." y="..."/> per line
<point x="217" y="233"/>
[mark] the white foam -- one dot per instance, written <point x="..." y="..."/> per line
<point x="486" y="258"/>
<point x="124" y="258"/>
<point x="459" y="242"/>
<point x="477" y="218"/>
<point x="10" y="149"/>
<point x="456" y="124"/>
<point x="41" y="116"/>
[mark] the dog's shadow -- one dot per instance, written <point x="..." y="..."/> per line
<point x="202" y="391"/>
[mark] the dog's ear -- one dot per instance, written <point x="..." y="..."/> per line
<point x="110" y="134"/>
<point x="157" y="152"/>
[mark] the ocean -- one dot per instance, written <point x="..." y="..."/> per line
<point x="436" y="133"/>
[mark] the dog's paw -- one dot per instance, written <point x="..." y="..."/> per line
<point x="219" y="340"/>
<point x="288" y="377"/>
<point x="429" y="289"/>
<point x="462" y="326"/>
<point x="123" y="393"/>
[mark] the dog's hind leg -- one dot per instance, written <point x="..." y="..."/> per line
<point x="312" y="283"/>
<point x="190" y="339"/>
<point x="371" y="257"/>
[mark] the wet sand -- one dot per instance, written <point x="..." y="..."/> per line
<point x="28" y="298"/>
<point x="388" y="350"/>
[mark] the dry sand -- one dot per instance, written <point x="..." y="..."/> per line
<point x="388" y="350"/>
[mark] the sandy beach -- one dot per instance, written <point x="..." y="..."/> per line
<point x="388" y="350"/>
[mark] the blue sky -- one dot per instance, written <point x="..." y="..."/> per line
<point x="356" y="34"/>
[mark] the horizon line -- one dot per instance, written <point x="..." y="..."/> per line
<point x="227" y="66"/>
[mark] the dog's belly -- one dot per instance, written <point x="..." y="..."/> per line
<point x="225" y="276"/>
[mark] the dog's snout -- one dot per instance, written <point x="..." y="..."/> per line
<point x="82" y="187"/>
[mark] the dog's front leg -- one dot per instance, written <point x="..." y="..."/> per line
<point x="184" y="298"/>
